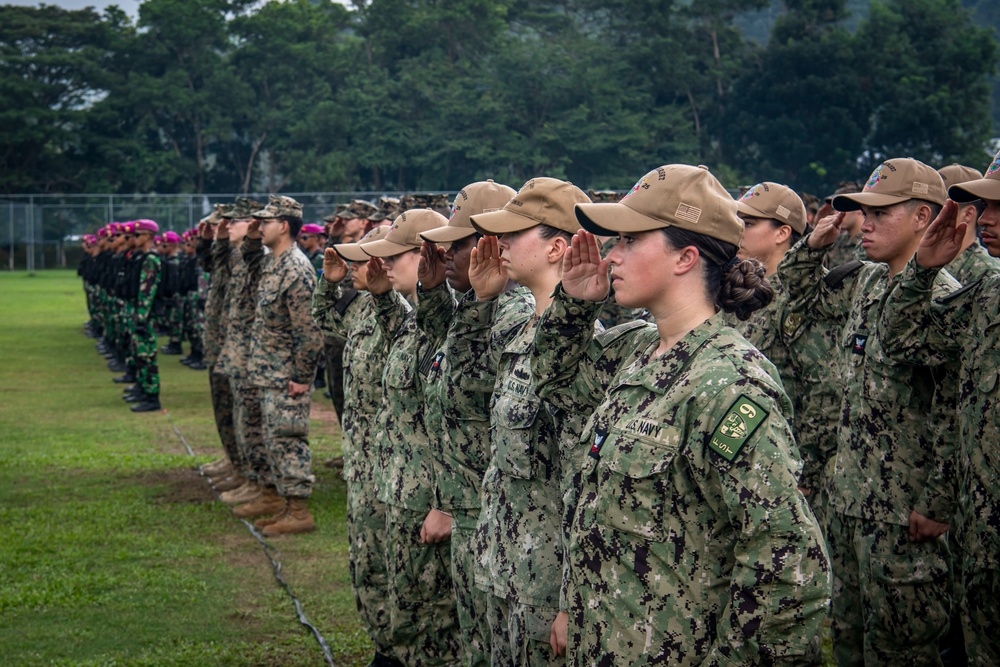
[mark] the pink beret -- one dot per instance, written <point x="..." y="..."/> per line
<point x="312" y="229"/>
<point x="171" y="237"/>
<point x="146" y="226"/>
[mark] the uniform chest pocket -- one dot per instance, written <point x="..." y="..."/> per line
<point x="888" y="384"/>
<point x="401" y="374"/>
<point x="514" y="435"/>
<point x="633" y="486"/>
<point x="987" y="370"/>
<point x="270" y="304"/>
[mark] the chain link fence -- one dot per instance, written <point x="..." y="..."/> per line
<point x="44" y="231"/>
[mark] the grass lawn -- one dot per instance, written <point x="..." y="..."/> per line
<point x="113" y="550"/>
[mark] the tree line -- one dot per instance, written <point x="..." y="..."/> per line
<point x="201" y="96"/>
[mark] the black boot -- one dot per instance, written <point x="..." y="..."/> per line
<point x="149" y="403"/>
<point x="127" y="378"/>
<point x="117" y="366"/>
<point x="173" y="347"/>
<point x="382" y="660"/>
<point x="195" y="362"/>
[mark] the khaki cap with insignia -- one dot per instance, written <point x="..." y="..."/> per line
<point x="352" y="252"/>
<point x="540" y="201"/>
<point x="475" y="198"/>
<point x="956" y="173"/>
<point x="987" y="187"/>
<point x="894" y="182"/>
<point x="776" y="202"/>
<point x="279" y="206"/>
<point x="404" y="234"/>
<point x="674" y="195"/>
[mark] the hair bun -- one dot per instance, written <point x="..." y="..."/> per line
<point x="745" y="288"/>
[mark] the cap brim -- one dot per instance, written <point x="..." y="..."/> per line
<point x="383" y="248"/>
<point x="610" y="219"/>
<point x="854" y="202"/>
<point x="750" y="211"/>
<point x="984" y="188"/>
<point x="351" y="252"/>
<point x="447" y="234"/>
<point x="503" y="221"/>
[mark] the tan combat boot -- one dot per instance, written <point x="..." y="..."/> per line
<point x="261" y="524"/>
<point x="297" y="519"/>
<point x="243" y="494"/>
<point x="234" y="481"/>
<point x="267" y="503"/>
<point x="216" y="468"/>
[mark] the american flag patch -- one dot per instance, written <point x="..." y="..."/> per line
<point x="688" y="213"/>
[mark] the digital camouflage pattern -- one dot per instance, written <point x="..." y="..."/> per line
<point x="844" y="250"/>
<point x="525" y="632"/>
<point x="690" y="543"/>
<point x="222" y="409"/>
<point x="973" y="264"/>
<point x="286" y="430"/>
<point x="938" y="331"/>
<point x="147" y="373"/>
<point x="894" y="455"/>
<point x="240" y="270"/>
<point x="212" y="261"/>
<point x="248" y="422"/>
<point x="457" y="397"/>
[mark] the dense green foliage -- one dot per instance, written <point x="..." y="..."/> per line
<point x="309" y="95"/>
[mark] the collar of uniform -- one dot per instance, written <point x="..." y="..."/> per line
<point x="659" y="374"/>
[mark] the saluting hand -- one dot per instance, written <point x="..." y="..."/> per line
<point x="334" y="268"/>
<point x="222" y="231"/>
<point x="487" y="274"/>
<point x="430" y="271"/>
<point x="585" y="274"/>
<point x="205" y="231"/>
<point x="943" y="238"/>
<point x="827" y="231"/>
<point x="377" y="279"/>
<point x="253" y="231"/>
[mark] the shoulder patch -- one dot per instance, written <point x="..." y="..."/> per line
<point x="959" y="292"/>
<point x="740" y="422"/>
<point x="839" y="274"/>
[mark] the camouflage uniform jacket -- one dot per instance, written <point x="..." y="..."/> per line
<point x="316" y="259"/>
<point x="215" y="304"/>
<point x="973" y="264"/>
<point x="844" y="250"/>
<point x="521" y="529"/>
<point x="351" y="317"/>
<point x="405" y="449"/>
<point x="149" y="282"/>
<point x="690" y="543"/>
<point x="239" y="270"/>
<point x="459" y="387"/>
<point x="285" y="342"/>
<point x="895" y="444"/>
<point x="964" y="325"/>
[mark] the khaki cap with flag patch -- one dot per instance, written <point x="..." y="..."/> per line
<point x="987" y="187"/>
<point x="475" y="198"/>
<point x="540" y="201"/>
<point x="674" y="195"/>
<point x="776" y="202"/>
<point x="893" y="182"/>
<point x="404" y="234"/>
<point x="956" y="173"/>
<point x="352" y="252"/>
<point x="279" y="206"/>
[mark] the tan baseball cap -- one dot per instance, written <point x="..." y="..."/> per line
<point x="893" y="182"/>
<point x="674" y="195"/>
<point x="404" y="234"/>
<point x="987" y="187"/>
<point x="956" y="173"/>
<point x="540" y="201"/>
<point x="352" y="252"/>
<point x="474" y="199"/>
<point x="776" y="202"/>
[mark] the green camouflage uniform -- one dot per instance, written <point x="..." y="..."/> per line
<point x="285" y="344"/>
<point x="963" y="326"/>
<point x="892" y="597"/>
<point x="520" y="533"/>
<point x="973" y="264"/>
<point x="239" y="270"/>
<point x="459" y="386"/>
<point x="349" y="316"/>
<point x="422" y="607"/>
<point x="690" y="544"/>
<point x="147" y="373"/>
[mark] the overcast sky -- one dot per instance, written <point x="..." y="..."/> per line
<point x="130" y="6"/>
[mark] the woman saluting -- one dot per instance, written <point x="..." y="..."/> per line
<point x="691" y="543"/>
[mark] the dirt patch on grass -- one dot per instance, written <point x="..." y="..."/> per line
<point x="183" y="485"/>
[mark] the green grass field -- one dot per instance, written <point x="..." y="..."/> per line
<point x="113" y="550"/>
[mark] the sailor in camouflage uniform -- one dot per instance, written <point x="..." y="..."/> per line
<point x="534" y="446"/>
<point x="963" y="326"/>
<point x="348" y="315"/>
<point x="285" y="345"/>
<point x="690" y="543"/>
<point x="847" y="247"/>
<point x="973" y="261"/>
<point x="893" y="489"/>
<point x="458" y="391"/>
<point x="421" y="602"/>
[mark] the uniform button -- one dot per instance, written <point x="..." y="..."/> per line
<point x="574" y="310"/>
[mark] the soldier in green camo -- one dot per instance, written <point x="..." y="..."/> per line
<point x="893" y="489"/>
<point x="534" y="446"/>
<point x="285" y="345"/>
<point x="458" y="391"/>
<point x="421" y="602"/>
<point x="147" y="374"/>
<point x="690" y="543"/>
<point x="962" y="326"/>
<point x="348" y="315"/>
<point x="847" y="247"/>
<point x="973" y="262"/>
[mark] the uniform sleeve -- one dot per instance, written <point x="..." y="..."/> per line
<point x="149" y="282"/>
<point x="434" y="311"/>
<point x="203" y="251"/>
<point x="252" y="251"/>
<point x="222" y="251"/>
<point x="801" y="273"/>
<point x="334" y="309"/>
<point x="391" y="311"/>
<point x="307" y="342"/>
<point x="780" y="584"/>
